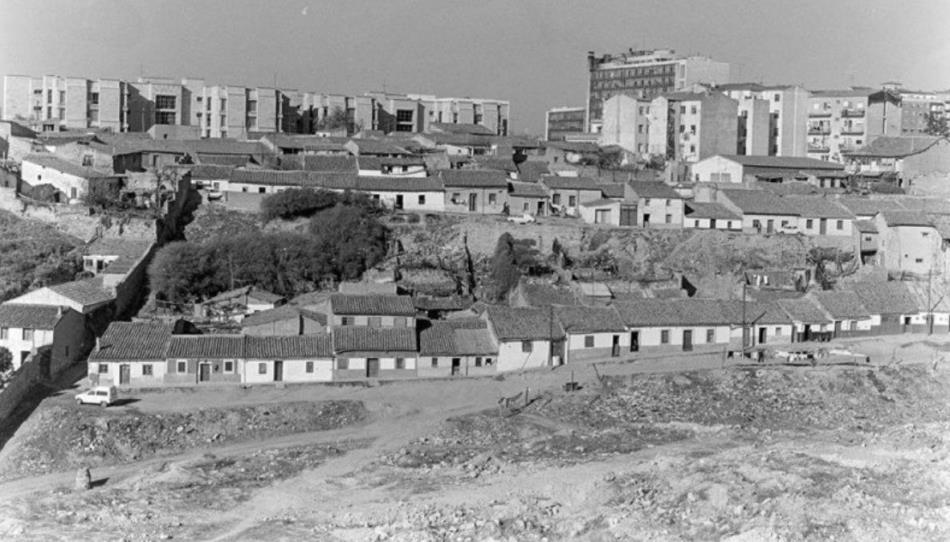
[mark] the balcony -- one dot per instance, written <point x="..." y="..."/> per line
<point x="816" y="114"/>
<point x="853" y="113"/>
<point x="852" y="130"/>
<point x="819" y="130"/>
<point x="818" y="148"/>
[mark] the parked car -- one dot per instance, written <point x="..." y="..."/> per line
<point x="523" y="219"/>
<point x="100" y="395"/>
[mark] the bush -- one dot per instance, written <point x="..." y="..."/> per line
<point x="6" y="360"/>
<point x="297" y="202"/>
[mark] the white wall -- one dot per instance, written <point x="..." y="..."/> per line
<point x="16" y="344"/>
<point x="716" y="169"/>
<point x="575" y="342"/>
<point x="511" y="358"/>
<point x="294" y="370"/>
<point x="847" y="226"/>
<point x="650" y="336"/>
<point x="35" y="174"/>
<point x="434" y="201"/>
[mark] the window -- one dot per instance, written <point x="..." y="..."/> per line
<point x="525" y="207"/>
<point x="262" y="368"/>
<point x="229" y="366"/>
<point x="309" y="367"/>
<point x="488" y="362"/>
<point x="556" y="199"/>
<point x="374" y="321"/>
<point x="435" y="363"/>
<point x="27" y="334"/>
<point x="664" y="336"/>
<point x="400" y="363"/>
<point x="778" y="331"/>
<point x="103" y="368"/>
<point x="87" y="160"/>
<point x="840" y="225"/>
<point x="710" y="335"/>
<point x="692" y="148"/>
<point x="422" y="200"/>
<point x="589" y="341"/>
<point x="4" y="333"/>
<point x="918" y="260"/>
<point x="527" y="346"/>
<point x="924" y="234"/>
<point x="692" y="129"/>
<point x="809" y="223"/>
<point x="404" y="121"/>
<point x="669" y="219"/>
<point x="692" y="109"/>
<point x="571" y="201"/>
<point x="682" y="111"/>
<point x="181" y="366"/>
<point x="164" y="102"/>
<point x="343" y="364"/>
<point x="164" y="117"/>
<point x="777" y="97"/>
<point x="478" y="361"/>
<point x="262" y="190"/>
<point x="147" y="369"/>
<point x="346" y="321"/>
<point x="492" y="199"/>
<point x="93" y="98"/>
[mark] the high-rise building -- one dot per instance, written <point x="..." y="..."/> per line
<point x="626" y="123"/>
<point x="561" y="121"/>
<point x="646" y="75"/>
<point x="787" y="110"/>
<point x="917" y="107"/>
<point x="845" y="120"/>
<point x="52" y="103"/>
<point x="690" y="126"/>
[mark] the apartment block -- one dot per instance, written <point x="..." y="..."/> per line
<point x="690" y="126"/>
<point x="841" y="121"/>
<point x="626" y="123"/>
<point x="52" y="103"/>
<point x="561" y="121"/>
<point x="646" y="75"/>
<point x="918" y="106"/>
<point x="752" y="130"/>
<point x="788" y="108"/>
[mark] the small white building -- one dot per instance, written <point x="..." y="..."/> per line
<point x="731" y="168"/>
<point x="69" y="179"/>
<point x="424" y="194"/>
<point x="527" y="338"/>
<point x="26" y="328"/>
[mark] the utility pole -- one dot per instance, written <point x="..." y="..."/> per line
<point x="745" y="340"/>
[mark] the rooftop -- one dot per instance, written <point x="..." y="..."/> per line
<point x="29" y="316"/>
<point x="648" y="189"/>
<point x="54" y="162"/>
<point x="758" y="202"/>
<point x="86" y="292"/>
<point x="374" y="339"/>
<point x="714" y="211"/>
<point x="888" y="297"/>
<point x="474" y="178"/>
<point x="580" y="319"/>
<point x="524" y="323"/>
<point x="783" y="162"/>
<point x="130" y="341"/>
<point x="527" y="190"/>
<point x="898" y="146"/>
<point x="373" y="304"/>
<point x="555" y="182"/>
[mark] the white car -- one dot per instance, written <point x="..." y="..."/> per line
<point x="523" y="219"/>
<point x="100" y="395"/>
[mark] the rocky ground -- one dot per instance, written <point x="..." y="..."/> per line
<point x="778" y="453"/>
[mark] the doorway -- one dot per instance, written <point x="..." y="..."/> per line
<point x="540" y="208"/>
<point x="687" y="340"/>
<point x="125" y="373"/>
<point x="456" y="366"/>
<point x="372" y="367"/>
<point x="763" y="332"/>
<point x="823" y="226"/>
<point x="204" y="372"/>
<point x="398" y="202"/>
<point x="278" y="371"/>
<point x="634" y="341"/>
<point x="615" y="346"/>
<point x="472" y="203"/>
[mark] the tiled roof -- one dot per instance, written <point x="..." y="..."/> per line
<point x="870" y="207"/>
<point x="818" y="207"/>
<point x="907" y="218"/>
<point x="803" y="310"/>
<point x="339" y="164"/>
<point x="365" y="287"/>
<point x="891" y="297"/>
<point x="54" y="162"/>
<point x="249" y="291"/>
<point x="461" y="128"/>
<point x="842" y="304"/>
<point x="376" y="163"/>
<point x="532" y="170"/>
<point x="716" y="211"/>
<point x="898" y="146"/>
<point x="555" y="182"/>
<point x="284" y="312"/>
<point x="928" y="296"/>
<point x="467" y="336"/>
<point x="306" y="179"/>
<point x="472" y="342"/>
<point x="675" y="312"/>
<point x="130" y="341"/>
<point x="613" y="190"/>
<point x="493" y="162"/>
<point x="866" y="226"/>
<point x="203" y="172"/>
<point x="381" y="305"/>
<point x="935" y="206"/>
<point x="441" y="303"/>
<point x="399" y="184"/>
<point x="289" y="347"/>
<point x="758" y="202"/>
<point x="373" y="146"/>
<point x="221" y="146"/>
<point x="374" y="339"/>
<point x="29" y="316"/>
<point x="436" y="339"/>
<point x="654" y="190"/>
<point x="474" y="178"/>
<point x="573" y="146"/>
<point x="782" y="162"/>
<point x="600" y="202"/>
<point x="206" y="346"/>
<point x="524" y="323"/>
<point x="527" y="190"/>
<point x="87" y="292"/>
<point x="306" y="142"/>
<point x="580" y="319"/>
<point x="540" y="294"/>
<point x="233" y="160"/>
<point x="460" y="140"/>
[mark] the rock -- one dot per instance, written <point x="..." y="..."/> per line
<point x="83" y="479"/>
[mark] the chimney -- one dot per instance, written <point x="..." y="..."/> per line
<point x="97" y="344"/>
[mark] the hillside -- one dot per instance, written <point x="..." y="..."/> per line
<point x="33" y="254"/>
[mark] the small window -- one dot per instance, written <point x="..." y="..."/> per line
<point x="262" y="368"/>
<point x="664" y="336"/>
<point x="262" y="190"/>
<point x="27" y="334"/>
<point x="374" y="321"/>
<point x="4" y="333"/>
<point x="229" y="366"/>
<point x="488" y="362"/>
<point x="400" y="363"/>
<point x="346" y="321"/>
<point x="556" y="199"/>
<point x="343" y="364"/>
<point x="918" y="260"/>
<point x="925" y="234"/>
<point x="572" y="201"/>
<point x="808" y="223"/>
<point x="478" y="361"/>
<point x="492" y="199"/>
<point x="710" y="335"/>
<point x="422" y="200"/>
<point x="182" y="367"/>
<point x="589" y="341"/>
<point x="840" y="225"/>
<point x="309" y="367"/>
<point x="527" y="346"/>
<point x="435" y="363"/>
<point x="669" y="219"/>
<point x="103" y="368"/>
<point x="778" y="331"/>
<point x="147" y="369"/>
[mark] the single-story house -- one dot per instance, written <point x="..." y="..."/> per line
<point x="845" y="308"/>
<point x="372" y="310"/>
<point x="70" y="180"/>
<point x="723" y="168"/>
<point x="568" y="193"/>
<point x="457" y="347"/>
<point x="475" y="190"/>
<point x="527" y="338"/>
<point x="405" y="193"/>
<point x="284" y="320"/>
<point x="527" y="197"/>
<point x="592" y="332"/>
<point x="363" y="352"/>
<point x="710" y="215"/>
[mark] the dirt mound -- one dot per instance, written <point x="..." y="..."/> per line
<point x="59" y="437"/>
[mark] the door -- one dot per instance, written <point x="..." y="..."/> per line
<point x="540" y="208"/>
<point x="628" y="215"/>
<point x="615" y="346"/>
<point x="646" y="219"/>
<point x="278" y="371"/>
<point x="634" y="341"/>
<point x="763" y="332"/>
<point x="823" y="226"/>
<point x="472" y="202"/>
<point x="398" y="201"/>
<point x="124" y="373"/>
<point x="456" y="366"/>
<point x="769" y="226"/>
<point x="372" y="367"/>
<point x="204" y="372"/>
<point x="687" y="340"/>
<point x="712" y="223"/>
<point x="837" y="328"/>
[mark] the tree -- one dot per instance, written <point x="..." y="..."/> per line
<point x="937" y="124"/>
<point x="296" y="202"/>
<point x="336" y="119"/>
<point x="355" y="238"/>
<point x="6" y="360"/>
<point x="505" y="273"/>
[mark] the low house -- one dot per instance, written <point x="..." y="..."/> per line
<point x="540" y="294"/>
<point x="402" y="166"/>
<point x="475" y="191"/>
<point x="373" y="310"/>
<point x="892" y="307"/>
<point x="592" y="332"/>
<point x="375" y="147"/>
<point x="869" y="241"/>
<point x="365" y="287"/>
<point x="568" y="193"/>
<point x="686" y="325"/>
<point x="846" y="310"/>
<point x="658" y="205"/>
<point x="71" y="181"/>
<point x="424" y="194"/>
<point x="604" y="211"/>
<point x="762" y="212"/>
<point x="362" y="352"/>
<point x="83" y="296"/>
<point x="204" y="359"/>
<point x="458" y="347"/>
<point x="908" y="156"/>
<point x="239" y="302"/>
<point x="909" y="242"/>
<point x="822" y="216"/>
<point x="711" y="216"/>
<point x="527" y="338"/>
<point x="26" y="328"/>
<point x="302" y="358"/>
<point x="934" y="305"/>
<point x="318" y="145"/>
<point x="284" y="320"/>
<point x="319" y="163"/>
<point x="722" y="168"/>
<point x="210" y="176"/>
<point x="441" y="306"/>
<point x="133" y="354"/>
<point x="811" y="323"/>
<point x="527" y="198"/>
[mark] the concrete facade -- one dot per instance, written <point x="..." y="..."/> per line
<point x="692" y="126"/>
<point x="843" y="121"/>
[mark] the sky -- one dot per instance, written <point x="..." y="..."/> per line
<point x="530" y="52"/>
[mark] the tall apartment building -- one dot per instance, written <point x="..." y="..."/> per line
<point x="646" y="75"/>
<point x="561" y="121"/>
<point x="51" y="102"/>
<point x="690" y="126"/>
<point x="788" y="114"/>
<point x="845" y="120"/>
<point x="626" y="123"/>
<point x="918" y="106"/>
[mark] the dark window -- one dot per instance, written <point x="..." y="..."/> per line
<point x="164" y="117"/>
<point x="103" y="368"/>
<point x="27" y="334"/>
<point x="164" y="102"/>
<point x="422" y="200"/>
<point x="182" y="367"/>
<point x="571" y="201"/>
<point x="435" y="361"/>
<point x="309" y="367"/>
<point x="147" y="369"/>
<point x="346" y="321"/>
<point x="400" y="363"/>
<point x="262" y="368"/>
<point x="93" y="98"/>
<point x="710" y="335"/>
<point x="478" y="362"/>
<point x="664" y="336"/>
<point x="589" y="341"/>
<point x="492" y="198"/>
<point x="229" y="366"/>
<point x="404" y="120"/>
<point x="808" y="223"/>
<point x="840" y="224"/>
<point x="527" y="346"/>
<point x="343" y="364"/>
<point x="4" y="333"/>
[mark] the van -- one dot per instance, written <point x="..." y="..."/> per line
<point x="100" y="395"/>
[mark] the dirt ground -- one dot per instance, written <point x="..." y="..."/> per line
<point x="858" y="452"/>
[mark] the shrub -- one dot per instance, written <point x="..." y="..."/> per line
<point x="297" y="202"/>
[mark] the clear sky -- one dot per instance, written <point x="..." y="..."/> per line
<point x="531" y="52"/>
